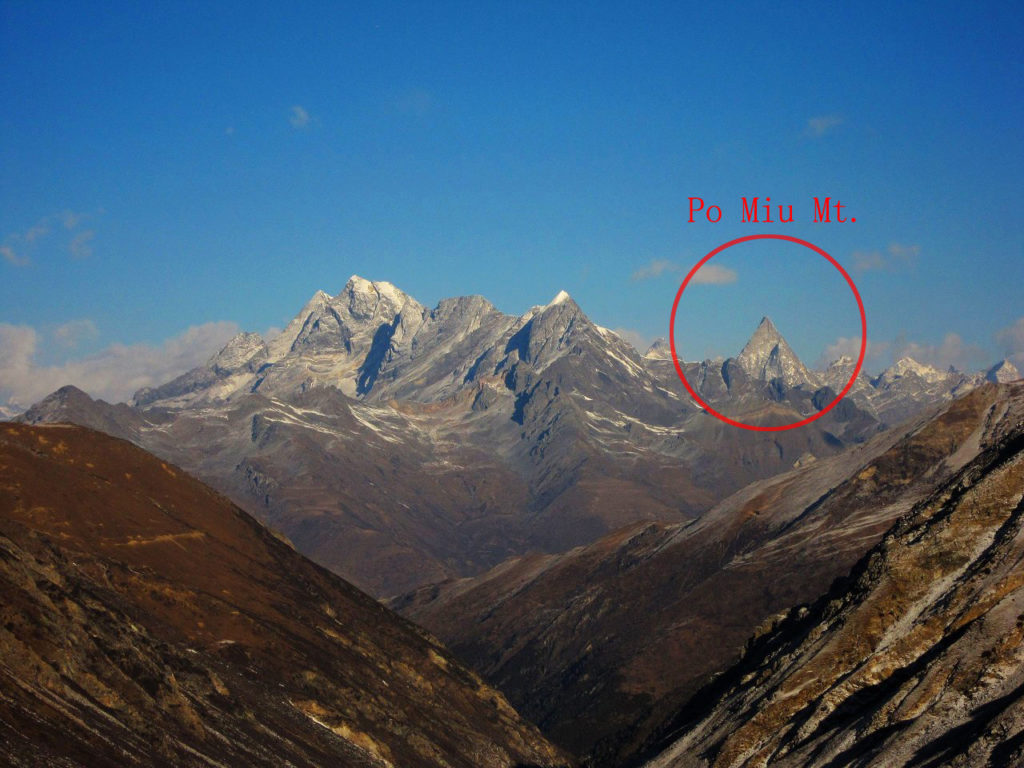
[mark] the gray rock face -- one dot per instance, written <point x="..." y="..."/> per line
<point x="904" y="388"/>
<point x="768" y="357"/>
<point x="612" y="639"/>
<point x="1002" y="372"/>
<point x="912" y="659"/>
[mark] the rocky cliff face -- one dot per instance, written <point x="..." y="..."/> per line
<point x="601" y="644"/>
<point x="768" y="357"/>
<point x="915" y="658"/>
<point x="146" y="621"/>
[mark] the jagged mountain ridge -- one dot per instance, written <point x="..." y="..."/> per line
<point x="913" y="659"/>
<point x="147" y="621"/>
<point x="374" y="341"/>
<point x="399" y="445"/>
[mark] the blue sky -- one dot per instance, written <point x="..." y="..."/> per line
<point x="208" y="166"/>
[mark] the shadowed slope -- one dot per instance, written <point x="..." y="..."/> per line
<point x="148" y="621"/>
<point x="616" y="636"/>
<point x="915" y="659"/>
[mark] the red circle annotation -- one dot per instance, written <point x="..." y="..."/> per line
<point x="863" y="334"/>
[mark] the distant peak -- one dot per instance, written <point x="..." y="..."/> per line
<point x="842" y="361"/>
<point x="764" y="339"/>
<point x="767" y="356"/>
<point x="382" y="288"/>
<point x="908" y="365"/>
<point x="1002" y="372"/>
<point x="767" y="328"/>
<point x="560" y="298"/>
<point x="659" y="350"/>
<point x="318" y="299"/>
<point x="358" y="284"/>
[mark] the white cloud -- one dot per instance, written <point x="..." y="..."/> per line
<point x="12" y="258"/>
<point x="17" y="247"/>
<point x="39" y="230"/>
<point x="896" y="256"/>
<point x="1011" y="342"/>
<point x="709" y="274"/>
<point x="640" y="341"/>
<point x="299" y="117"/>
<point x="654" y="269"/>
<point x="71" y="219"/>
<point x="113" y="374"/>
<point x="81" y="244"/>
<point x="820" y="125"/>
<point x="865" y="261"/>
<point x="906" y="254"/>
<point x="713" y="274"/>
<point x="75" y="332"/>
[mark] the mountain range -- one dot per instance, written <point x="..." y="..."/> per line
<point x="401" y="446"/>
<point x="629" y="571"/>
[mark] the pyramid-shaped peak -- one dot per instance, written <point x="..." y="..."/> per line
<point x="560" y="298"/>
<point x="765" y="338"/>
<point x="767" y="356"/>
<point x="767" y="328"/>
<point x="659" y="350"/>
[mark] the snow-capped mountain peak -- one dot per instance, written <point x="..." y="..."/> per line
<point x="908" y="365"/>
<point x="560" y="298"/>
<point x="768" y="356"/>
<point x="659" y="350"/>
<point x="364" y="300"/>
<point x="281" y="343"/>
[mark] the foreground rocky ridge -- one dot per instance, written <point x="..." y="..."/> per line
<point x="916" y="658"/>
<point x="146" y="621"/>
<point x="602" y="644"/>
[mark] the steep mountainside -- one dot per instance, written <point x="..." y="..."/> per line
<point x="400" y="445"/>
<point x="146" y="621"/>
<point x="916" y="658"/>
<point x="601" y="644"/>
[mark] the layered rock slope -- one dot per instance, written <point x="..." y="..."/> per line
<point x="147" y="621"/>
<point x="915" y="658"/>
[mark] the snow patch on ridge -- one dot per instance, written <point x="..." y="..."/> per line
<point x="560" y="298"/>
